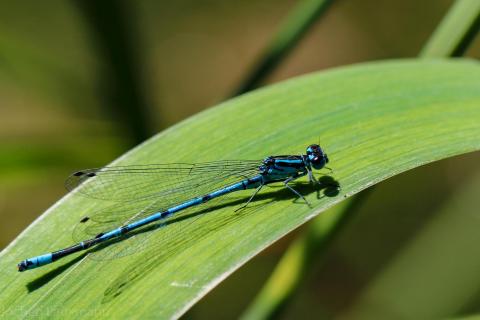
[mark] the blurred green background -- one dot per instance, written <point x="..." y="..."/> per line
<point x="81" y="82"/>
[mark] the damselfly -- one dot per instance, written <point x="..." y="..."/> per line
<point x="177" y="187"/>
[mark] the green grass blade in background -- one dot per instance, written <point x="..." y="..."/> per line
<point x="375" y="120"/>
<point x="456" y="31"/>
<point x="114" y="34"/>
<point x="440" y="256"/>
<point x="295" y="27"/>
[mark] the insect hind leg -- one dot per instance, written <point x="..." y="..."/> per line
<point x="251" y="198"/>
<point x="295" y="191"/>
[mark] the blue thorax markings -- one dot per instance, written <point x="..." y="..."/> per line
<point x="283" y="167"/>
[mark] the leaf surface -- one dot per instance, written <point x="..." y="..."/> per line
<point x="374" y="120"/>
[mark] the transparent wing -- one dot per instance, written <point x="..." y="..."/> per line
<point x="136" y="182"/>
<point x="147" y="190"/>
<point x="119" y="214"/>
<point x="142" y="190"/>
<point x="112" y="217"/>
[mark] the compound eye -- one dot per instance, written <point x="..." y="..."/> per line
<point x="312" y="149"/>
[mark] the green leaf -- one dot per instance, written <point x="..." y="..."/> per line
<point x="375" y="120"/>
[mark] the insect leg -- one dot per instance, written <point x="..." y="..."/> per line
<point x="295" y="191"/>
<point x="251" y="198"/>
<point x="312" y="178"/>
<point x="330" y="169"/>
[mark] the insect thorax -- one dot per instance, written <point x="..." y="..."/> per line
<point x="282" y="167"/>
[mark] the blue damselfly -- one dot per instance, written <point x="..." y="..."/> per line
<point x="177" y="187"/>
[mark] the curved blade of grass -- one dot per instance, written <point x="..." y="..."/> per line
<point x="302" y="18"/>
<point x="462" y="19"/>
<point x="112" y="29"/>
<point x="375" y="120"/>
